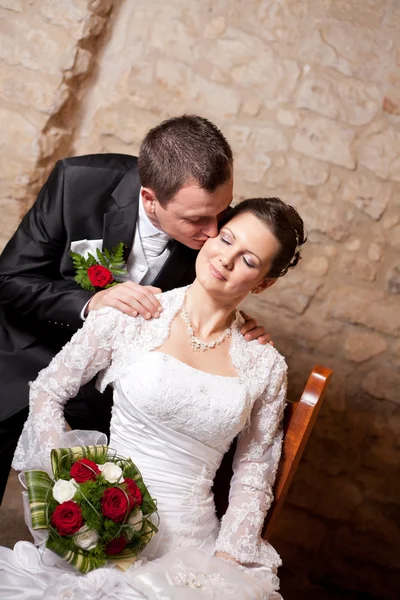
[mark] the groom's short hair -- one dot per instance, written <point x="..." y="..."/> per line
<point x="182" y="151"/>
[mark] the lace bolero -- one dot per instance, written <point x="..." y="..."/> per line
<point x="107" y="343"/>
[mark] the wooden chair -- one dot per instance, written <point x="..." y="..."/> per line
<point x="299" y="420"/>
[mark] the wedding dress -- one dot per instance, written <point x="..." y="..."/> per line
<point x="176" y="423"/>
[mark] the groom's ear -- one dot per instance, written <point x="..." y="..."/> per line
<point x="264" y="285"/>
<point x="149" y="199"/>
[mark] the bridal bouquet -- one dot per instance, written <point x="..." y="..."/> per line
<point x="95" y="508"/>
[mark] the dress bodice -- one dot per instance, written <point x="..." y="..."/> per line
<point x="210" y="408"/>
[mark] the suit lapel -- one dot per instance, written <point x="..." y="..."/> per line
<point x="178" y="268"/>
<point x="119" y="224"/>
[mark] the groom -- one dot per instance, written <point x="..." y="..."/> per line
<point x="163" y="206"/>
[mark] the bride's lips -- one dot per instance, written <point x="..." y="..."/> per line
<point x="216" y="273"/>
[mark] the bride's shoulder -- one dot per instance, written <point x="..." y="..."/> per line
<point x="261" y="357"/>
<point x="177" y="295"/>
<point x="269" y="354"/>
<point x="111" y="319"/>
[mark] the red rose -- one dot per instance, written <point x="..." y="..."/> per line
<point x="115" y="504"/>
<point x="67" y="518"/>
<point x="116" y="545"/>
<point x="84" y="470"/>
<point x="135" y="495"/>
<point x="99" y="276"/>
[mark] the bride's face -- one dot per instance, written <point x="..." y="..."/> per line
<point x="237" y="261"/>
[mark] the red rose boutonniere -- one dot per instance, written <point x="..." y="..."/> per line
<point x="100" y="271"/>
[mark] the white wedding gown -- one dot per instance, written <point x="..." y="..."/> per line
<point x="175" y="422"/>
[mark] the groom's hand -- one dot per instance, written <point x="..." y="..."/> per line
<point x="252" y="331"/>
<point x="130" y="298"/>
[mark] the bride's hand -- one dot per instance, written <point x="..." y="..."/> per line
<point x="130" y="298"/>
<point x="226" y="556"/>
<point x="252" y="331"/>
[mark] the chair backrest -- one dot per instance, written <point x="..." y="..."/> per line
<point x="298" y="423"/>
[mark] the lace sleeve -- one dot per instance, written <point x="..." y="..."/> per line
<point x="255" y="465"/>
<point x="89" y="351"/>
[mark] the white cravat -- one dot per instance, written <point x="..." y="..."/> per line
<point x="154" y="241"/>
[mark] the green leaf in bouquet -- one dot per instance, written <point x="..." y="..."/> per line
<point x="83" y="561"/>
<point x="40" y="486"/>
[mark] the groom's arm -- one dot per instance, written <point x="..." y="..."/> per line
<point x="30" y="280"/>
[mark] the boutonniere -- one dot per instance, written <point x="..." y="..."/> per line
<point x="100" y="271"/>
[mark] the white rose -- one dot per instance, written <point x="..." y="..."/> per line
<point x="134" y="523"/>
<point x="111" y="472"/>
<point x="86" y="538"/>
<point x="64" y="490"/>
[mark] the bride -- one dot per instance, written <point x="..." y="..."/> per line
<point x="185" y="386"/>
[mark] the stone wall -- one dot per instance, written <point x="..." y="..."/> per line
<point x="308" y="93"/>
<point x="47" y="50"/>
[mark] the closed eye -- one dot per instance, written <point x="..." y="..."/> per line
<point x="248" y="263"/>
<point x="225" y="241"/>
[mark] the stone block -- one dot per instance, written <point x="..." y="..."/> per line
<point x="256" y="169"/>
<point x="272" y="77"/>
<point x="314" y="49"/>
<point x="393" y="237"/>
<point x="325" y="140"/>
<point x="251" y="107"/>
<point x="41" y="49"/>
<point x="380" y="153"/>
<point x="119" y="121"/>
<point x="383" y="383"/>
<point x="367" y="193"/>
<point x="42" y="93"/>
<point x="222" y="102"/>
<point x="317" y="265"/>
<point x="18" y="134"/>
<point x="393" y="282"/>
<point x="170" y="35"/>
<point x="375" y="252"/>
<point x="362" y="53"/>
<point x="234" y="48"/>
<point x="363" y="345"/>
<point x="365" y="13"/>
<point x="357" y="267"/>
<point x="267" y="138"/>
<point x="341" y="98"/>
<point x="172" y="75"/>
<point x="15" y="5"/>
<point x="315" y="210"/>
<point x="286" y="117"/>
<point x="294" y="292"/>
<point x="307" y="171"/>
<point x="73" y="16"/>
<point x="365" y="307"/>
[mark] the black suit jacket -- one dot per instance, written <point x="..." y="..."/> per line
<point x="85" y="197"/>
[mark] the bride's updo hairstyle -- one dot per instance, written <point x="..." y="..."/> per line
<point x="285" y="224"/>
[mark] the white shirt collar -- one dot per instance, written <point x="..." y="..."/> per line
<point x="145" y="226"/>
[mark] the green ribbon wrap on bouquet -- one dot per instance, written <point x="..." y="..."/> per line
<point x="42" y="505"/>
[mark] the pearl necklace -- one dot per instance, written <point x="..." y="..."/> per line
<point x="198" y="344"/>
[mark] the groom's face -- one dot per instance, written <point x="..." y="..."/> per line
<point x="191" y="217"/>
